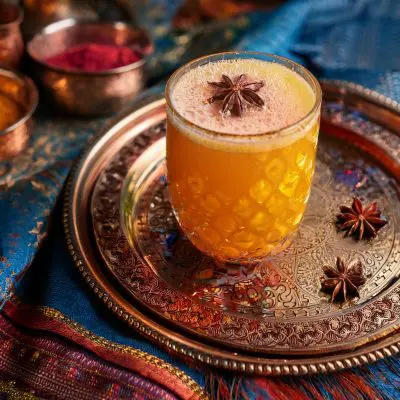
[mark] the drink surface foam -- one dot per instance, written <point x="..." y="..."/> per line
<point x="287" y="97"/>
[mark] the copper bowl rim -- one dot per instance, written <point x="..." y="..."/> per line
<point x="17" y="20"/>
<point x="73" y="22"/>
<point x="33" y="98"/>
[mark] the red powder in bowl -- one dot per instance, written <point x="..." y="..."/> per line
<point x="94" y="57"/>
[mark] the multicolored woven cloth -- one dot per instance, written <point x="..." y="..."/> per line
<point x="47" y="366"/>
<point x="323" y="35"/>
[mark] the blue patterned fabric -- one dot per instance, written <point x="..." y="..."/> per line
<point x="29" y="187"/>
<point x="357" y="40"/>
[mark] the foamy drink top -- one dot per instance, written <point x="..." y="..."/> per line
<point x="287" y="97"/>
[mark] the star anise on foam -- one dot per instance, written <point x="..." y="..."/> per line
<point x="364" y="222"/>
<point x="236" y="93"/>
<point x="343" y="280"/>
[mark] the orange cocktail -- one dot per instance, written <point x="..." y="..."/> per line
<point x="240" y="174"/>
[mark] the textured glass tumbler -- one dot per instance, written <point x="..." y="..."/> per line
<point x="241" y="196"/>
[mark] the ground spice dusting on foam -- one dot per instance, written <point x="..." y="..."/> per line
<point x="94" y="57"/>
<point x="287" y="97"/>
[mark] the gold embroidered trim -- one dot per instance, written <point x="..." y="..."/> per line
<point x="109" y="345"/>
<point x="15" y="394"/>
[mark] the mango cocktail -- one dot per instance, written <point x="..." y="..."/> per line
<point x="242" y="131"/>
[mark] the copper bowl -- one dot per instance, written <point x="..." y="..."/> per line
<point x="11" y="43"/>
<point x="89" y="93"/>
<point x="22" y="91"/>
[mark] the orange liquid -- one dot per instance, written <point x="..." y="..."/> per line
<point x="239" y="201"/>
<point x="238" y="204"/>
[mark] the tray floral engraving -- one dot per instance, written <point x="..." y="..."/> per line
<point x="278" y="306"/>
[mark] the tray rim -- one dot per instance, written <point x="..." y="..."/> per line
<point x="176" y="342"/>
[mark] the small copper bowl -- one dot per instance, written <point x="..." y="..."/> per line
<point x="21" y="91"/>
<point x="11" y="43"/>
<point x="89" y="93"/>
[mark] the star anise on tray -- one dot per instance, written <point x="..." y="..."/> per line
<point x="236" y="93"/>
<point x="360" y="221"/>
<point x="343" y="280"/>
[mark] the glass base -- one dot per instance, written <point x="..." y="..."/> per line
<point x="248" y="259"/>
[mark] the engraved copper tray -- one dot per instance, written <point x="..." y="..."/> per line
<point x="272" y="319"/>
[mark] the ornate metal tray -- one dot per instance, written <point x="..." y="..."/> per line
<point x="272" y="319"/>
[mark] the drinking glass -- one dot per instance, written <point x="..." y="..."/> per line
<point x="239" y="197"/>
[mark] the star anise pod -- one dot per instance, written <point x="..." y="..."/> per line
<point x="365" y="222"/>
<point x="235" y="93"/>
<point x="343" y="280"/>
